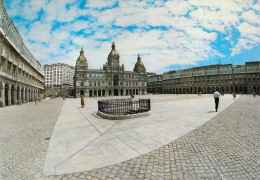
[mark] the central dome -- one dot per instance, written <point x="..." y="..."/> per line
<point x="113" y="50"/>
<point x="81" y="56"/>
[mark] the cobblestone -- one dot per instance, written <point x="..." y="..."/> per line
<point x="23" y="130"/>
<point x="226" y="147"/>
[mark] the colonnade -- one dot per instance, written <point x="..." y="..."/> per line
<point x="110" y="92"/>
<point x="210" y="90"/>
<point x="12" y="94"/>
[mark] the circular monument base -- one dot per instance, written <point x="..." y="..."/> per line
<point x="122" y="117"/>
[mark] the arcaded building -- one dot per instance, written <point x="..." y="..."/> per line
<point x="21" y="75"/>
<point x="111" y="80"/>
<point x="227" y="78"/>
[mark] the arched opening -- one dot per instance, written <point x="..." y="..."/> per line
<point x="142" y="91"/>
<point x="232" y="89"/>
<point x="109" y="92"/>
<point x="103" y="92"/>
<point x="115" y="92"/>
<point x="254" y="89"/>
<point x="126" y="92"/>
<point x="115" y="80"/>
<point x="245" y="90"/>
<point x="236" y="89"/>
<point x="6" y="95"/>
<point x="130" y="91"/>
<point x="95" y="92"/>
<point x="17" y="93"/>
<point x="190" y="90"/>
<point x="183" y="91"/>
<point x="121" y="92"/>
<point x="240" y="89"/>
<point x="212" y="90"/>
<point x="196" y="90"/>
<point x="177" y="91"/>
<point x="81" y="93"/>
<point x="226" y="90"/>
<point x="99" y="92"/>
<point x="12" y="94"/>
<point x="173" y="91"/>
<point x="136" y="91"/>
<point x="26" y="95"/>
<point x="0" y="91"/>
<point x="204" y="90"/>
<point x="208" y="90"/>
<point x="90" y="93"/>
<point x="22" y="94"/>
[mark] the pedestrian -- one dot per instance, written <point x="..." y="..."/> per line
<point x="254" y="94"/>
<point x="216" y="97"/>
<point x="1" y="102"/>
<point x="82" y="101"/>
<point x="234" y="95"/>
<point x="35" y="100"/>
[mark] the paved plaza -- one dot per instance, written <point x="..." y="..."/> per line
<point x="182" y="138"/>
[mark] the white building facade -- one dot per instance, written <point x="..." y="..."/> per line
<point x="58" y="75"/>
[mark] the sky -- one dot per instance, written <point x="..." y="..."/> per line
<point x="168" y="35"/>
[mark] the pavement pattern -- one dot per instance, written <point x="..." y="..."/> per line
<point x="82" y="141"/>
<point x="24" y="134"/>
<point x="226" y="147"/>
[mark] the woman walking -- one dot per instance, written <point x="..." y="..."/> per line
<point x="234" y="95"/>
<point x="82" y="101"/>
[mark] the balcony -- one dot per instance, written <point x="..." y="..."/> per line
<point x="212" y="72"/>
<point x="199" y="73"/>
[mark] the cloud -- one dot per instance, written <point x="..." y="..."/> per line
<point x="165" y="33"/>
<point x="39" y="31"/>
<point x="100" y="4"/>
<point x="251" y="17"/>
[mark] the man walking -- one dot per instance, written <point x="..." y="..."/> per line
<point x="216" y="97"/>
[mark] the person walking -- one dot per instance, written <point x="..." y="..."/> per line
<point x="82" y="101"/>
<point x="216" y="97"/>
<point x="234" y="95"/>
<point x="35" y="100"/>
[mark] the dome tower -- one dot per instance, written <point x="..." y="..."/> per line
<point x="139" y="66"/>
<point x="113" y="57"/>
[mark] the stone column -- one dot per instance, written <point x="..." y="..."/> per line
<point x="15" y="95"/>
<point x="9" y="95"/>
<point x="112" y="92"/>
<point x="19" y="94"/>
<point x="23" y="95"/>
<point x="27" y="96"/>
<point x="3" y="94"/>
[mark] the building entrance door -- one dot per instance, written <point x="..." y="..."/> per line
<point x="115" y="92"/>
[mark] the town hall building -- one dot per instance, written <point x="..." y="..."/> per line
<point x="112" y="80"/>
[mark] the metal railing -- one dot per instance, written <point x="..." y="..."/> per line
<point x="124" y="106"/>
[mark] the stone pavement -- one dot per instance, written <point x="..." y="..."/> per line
<point x="226" y="147"/>
<point x="23" y="130"/>
<point x="82" y="141"/>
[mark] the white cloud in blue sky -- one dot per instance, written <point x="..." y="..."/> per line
<point x="167" y="34"/>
